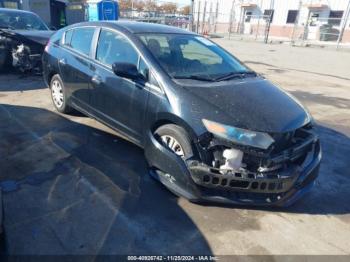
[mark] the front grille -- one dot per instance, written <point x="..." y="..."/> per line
<point x="268" y="183"/>
<point x="270" y="173"/>
<point x="244" y="197"/>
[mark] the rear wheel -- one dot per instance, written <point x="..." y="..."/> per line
<point x="58" y="95"/>
<point x="176" y="139"/>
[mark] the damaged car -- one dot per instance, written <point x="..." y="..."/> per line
<point x="23" y="37"/>
<point x="212" y="129"/>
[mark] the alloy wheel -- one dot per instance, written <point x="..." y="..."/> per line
<point x="57" y="93"/>
<point x="173" y="145"/>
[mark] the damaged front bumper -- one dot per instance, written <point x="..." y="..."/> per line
<point x="200" y="182"/>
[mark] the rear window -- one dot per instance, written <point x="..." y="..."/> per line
<point x="81" y="39"/>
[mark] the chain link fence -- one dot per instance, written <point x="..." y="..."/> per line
<point x="312" y="29"/>
<point x="320" y="31"/>
<point x="223" y="25"/>
<point x="176" y="19"/>
<point x="210" y="19"/>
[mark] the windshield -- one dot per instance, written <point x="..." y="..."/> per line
<point x="191" y="56"/>
<point x="21" y="21"/>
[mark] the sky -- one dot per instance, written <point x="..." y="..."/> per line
<point x="183" y="2"/>
<point x="179" y="2"/>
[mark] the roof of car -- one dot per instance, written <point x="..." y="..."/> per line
<point x="14" y="10"/>
<point x="139" y="27"/>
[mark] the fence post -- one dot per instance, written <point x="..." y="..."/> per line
<point x="231" y="19"/>
<point x="296" y="22"/>
<point x="192" y="16"/>
<point x="204" y="15"/>
<point x="347" y="13"/>
<point x="210" y="16"/>
<point x="258" y="26"/>
<point x="241" y="21"/>
<point x="216" y="16"/>
<point x="199" y="12"/>
<point x="306" y="27"/>
<point x="267" y="32"/>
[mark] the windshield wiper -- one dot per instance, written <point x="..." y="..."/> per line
<point x="238" y="74"/>
<point x="195" y="77"/>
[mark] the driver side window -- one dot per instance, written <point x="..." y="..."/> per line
<point x="115" y="48"/>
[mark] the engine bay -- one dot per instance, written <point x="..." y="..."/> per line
<point x="20" y="53"/>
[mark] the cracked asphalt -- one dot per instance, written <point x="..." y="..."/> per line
<point x="73" y="186"/>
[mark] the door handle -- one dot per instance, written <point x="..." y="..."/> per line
<point x="96" y="80"/>
<point x="62" y="61"/>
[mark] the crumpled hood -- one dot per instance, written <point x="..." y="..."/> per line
<point x="253" y="104"/>
<point x="41" y="37"/>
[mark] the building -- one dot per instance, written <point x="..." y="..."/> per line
<point x="51" y="11"/>
<point x="292" y="19"/>
<point x="14" y="4"/>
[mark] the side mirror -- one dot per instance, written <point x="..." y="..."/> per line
<point x="127" y="70"/>
<point x="53" y="28"/>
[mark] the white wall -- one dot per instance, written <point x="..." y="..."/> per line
<point x="281" y="8"/>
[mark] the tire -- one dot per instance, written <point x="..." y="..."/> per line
<point x="58" y="95"/>
<point x="181" y="137"/>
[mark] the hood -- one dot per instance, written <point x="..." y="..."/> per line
<point x="40" y="37"/>
<point x="253" y="104"/>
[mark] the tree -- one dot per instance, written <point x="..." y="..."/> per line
<point x="138" y="5"/>
<point x="186" y="10"/>
<point x="125" y="4"/>
<point x="150" y="5"/>
<point x="169" y="8"/>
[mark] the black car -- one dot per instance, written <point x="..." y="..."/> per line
<point x="23" y="37"/>
<point x="211" y="129"/>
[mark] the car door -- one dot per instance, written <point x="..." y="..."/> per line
<point x="118" y="101"/>
<point x="75" y="65"/>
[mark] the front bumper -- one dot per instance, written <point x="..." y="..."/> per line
<point x="200" y="183"/>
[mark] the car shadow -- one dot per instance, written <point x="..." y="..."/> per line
<point x="20" y="82"/>
<point x="321" y="99"/>
<point x="331" y="193"/>
<point x="74" y="189"/>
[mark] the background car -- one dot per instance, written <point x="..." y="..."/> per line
<point x="212" y="129"/>
<point x="23" y="36"/>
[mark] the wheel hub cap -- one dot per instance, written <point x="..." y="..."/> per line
<point x="173" y="145"/>
<point x="57" y="93"/>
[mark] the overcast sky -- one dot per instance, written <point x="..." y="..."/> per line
<point x="179" y="2"/>
<point x="183" y="2"/>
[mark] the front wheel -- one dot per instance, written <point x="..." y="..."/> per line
<point x="175" y="138"/>
<point x="58" y="95"/>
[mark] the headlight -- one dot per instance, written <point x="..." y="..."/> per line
<point x="239" y="135"/>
